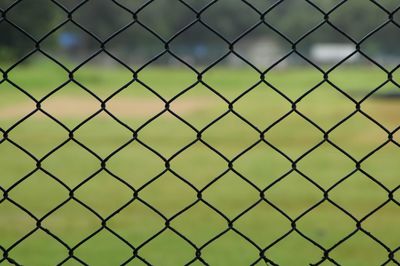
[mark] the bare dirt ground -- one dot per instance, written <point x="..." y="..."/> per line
<point x="76" y="107"/>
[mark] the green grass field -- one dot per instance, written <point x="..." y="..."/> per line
<point x="232" y="195"/>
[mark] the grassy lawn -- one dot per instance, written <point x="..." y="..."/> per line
<point x="139" y="164"/>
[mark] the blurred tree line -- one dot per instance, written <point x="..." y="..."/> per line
<point x="293" y="17"/>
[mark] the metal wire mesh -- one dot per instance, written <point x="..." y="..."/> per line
<point x="261" y="192"/>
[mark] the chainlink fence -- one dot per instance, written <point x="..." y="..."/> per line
<point x="261" y="194"/>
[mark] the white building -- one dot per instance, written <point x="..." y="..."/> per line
<point x="262" y="52"/>
<point x="333" y="52"/>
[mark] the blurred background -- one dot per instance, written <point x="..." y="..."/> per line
<point x="47" y="57"/>
<point x="198" y="45"/>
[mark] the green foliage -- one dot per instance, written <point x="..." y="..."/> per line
<point x="294" y="18"/>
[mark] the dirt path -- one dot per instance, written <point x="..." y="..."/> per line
<point x="76" y="107"/>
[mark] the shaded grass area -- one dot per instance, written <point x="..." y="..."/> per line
<point x="233" y="191"/>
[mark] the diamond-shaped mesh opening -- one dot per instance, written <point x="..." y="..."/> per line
<point x="379" y="225"/>
<point x="305" y="17"/>
<point x="302" y="251"/>
<point x="156" y="78"/>
<point x="339" y="106"/>
<point x="237" y="250"/>
<point x="262" y="165"/>
<point x="359" y="195"/>
<point x="46" y="14"/>
<point x="69" y="44"/>
<point x="191" y="224"/>
<point x="135" y="45"/>
<point x="358" y="244"/>
<point x="294" y="195"/>
<point x="206" y="47"/>
<point x="96" y="250"/>
<point x="97" y="18"/>
<point x="252" y="104"/>
<point x="357" y="84"/>
<point x="231" y="202"/>
<point x="168" y="194"/>
<point x="71" y="105"/>
<point x="104" y="193"/>
<point x="136" y="164"/>
<point x="263" y="224"/>
<point x="387" y="44"/>
<point x="231" y="82"/>
<point x="387" y="113"/>
<point x="47" y="195"/>
<point x="362" y="12"/>
<point x="220" y="18"/>
<point x="199" y="132"/>
<point x="64" y="224"/>
<point x="293" y="143"/>
<point x="113" y="76"/>
<point x="326" y="165"/>
<point x="261" y="47"/>
<point x="136" y="223"/>
<point x="81" y="164"/>
<point x="326" y="224"/>
<point x="34" y="250"/>
<point x="365" y="136"/>
<point x="235" y="137"/>
<point x="294" y="82"/>
<point x="39" y="81"/>
<point x="167" y="249"/>
<point x="207" y="165"/>
<point x="158" y="11"/>
<point x="168" y="134"/>
<point x="106" y="140"/>
<point x="199" y="106"/>
<point x="135" y="105"/>
<point x="383" y="165"/>
<point x="326" y="34"/>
